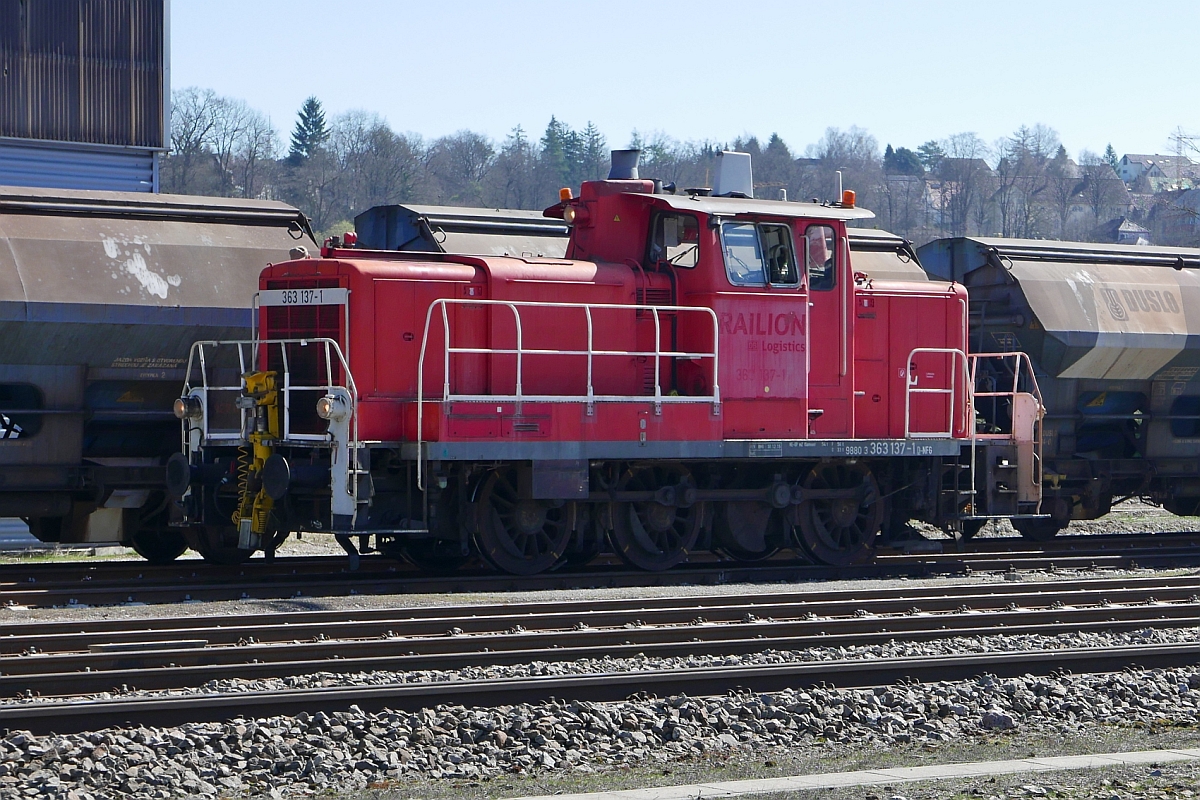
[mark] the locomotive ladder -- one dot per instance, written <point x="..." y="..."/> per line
<point x="1027" y="411"/>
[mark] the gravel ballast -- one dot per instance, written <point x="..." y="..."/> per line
<point x="354" y="750"/>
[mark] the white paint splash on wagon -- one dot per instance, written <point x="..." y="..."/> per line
<point x="133" y="263"/>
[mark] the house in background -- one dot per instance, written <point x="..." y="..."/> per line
<point x="1122" y="230"/>
<point x="1160" y="172"/>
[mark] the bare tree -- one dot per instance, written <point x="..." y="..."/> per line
<point x="380" y="166"/>
<point x="1063" y="182"/>
<point x="514" y="180"/>
<point x="856" y="154"/>
<point x="192" y="120"/>
<point x="1022" y="179"/>
<point x="230" y="119"/>
<point x="460" y="162"/>
<point x="964" y="179"/>
<point x="256" y="154"/>
<point x="1102" y="189"/>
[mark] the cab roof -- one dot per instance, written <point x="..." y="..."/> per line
<point x="740" y="206"/>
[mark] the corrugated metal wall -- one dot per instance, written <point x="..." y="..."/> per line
<point x="53" y="166"/>
<point x="83" y="71"/>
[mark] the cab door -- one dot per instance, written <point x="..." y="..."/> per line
<point x="829" y="380"/>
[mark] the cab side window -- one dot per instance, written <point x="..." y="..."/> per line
<point x="819" y="255"/>
<point x="777" y="248"/>
<point x="758" y="254"/>
<point x="743" y="254"/>
<point x="675" y="239"/>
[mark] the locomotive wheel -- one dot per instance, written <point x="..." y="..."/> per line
<point x="749" y="530"/>
<point x="159" y="546"/>
<point x="217" y="544"/>
<point x="431" y="555"/>
<point x="589" y="540"/>
<point x="841" y="531"/>
<point x="648" y="534"/>
<point x="517" y="535"/>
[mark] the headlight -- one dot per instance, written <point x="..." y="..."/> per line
<point x="188" y="408"/>
<point x="330" y="407"/>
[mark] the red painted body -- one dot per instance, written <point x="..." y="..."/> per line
<point x="795" y="363"/>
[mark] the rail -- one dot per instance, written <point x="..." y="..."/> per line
<point x="589" y="397"/>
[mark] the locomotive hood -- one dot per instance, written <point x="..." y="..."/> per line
<point x="1085" y="311"/>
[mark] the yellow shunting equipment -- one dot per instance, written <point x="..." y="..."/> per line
<point x="254" y="506"/>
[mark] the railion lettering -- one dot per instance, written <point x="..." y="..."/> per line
<point x="757" y="323"/>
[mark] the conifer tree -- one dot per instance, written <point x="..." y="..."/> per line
<point x="1110" y="155"/>
<point x="310" y="132"/>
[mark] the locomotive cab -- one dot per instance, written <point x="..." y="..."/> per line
<point x="702" y="371"/>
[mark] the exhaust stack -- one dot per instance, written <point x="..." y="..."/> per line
<point x="624" y="165"/>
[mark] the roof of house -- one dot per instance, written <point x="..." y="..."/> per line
<point x="1161" y="160"/>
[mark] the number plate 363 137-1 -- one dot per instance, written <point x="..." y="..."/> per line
<point x="303" y="297"/>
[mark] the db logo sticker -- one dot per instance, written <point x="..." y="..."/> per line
<point x="1115" y="309"/>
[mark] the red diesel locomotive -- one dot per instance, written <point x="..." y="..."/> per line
<point x="703" y="371"/>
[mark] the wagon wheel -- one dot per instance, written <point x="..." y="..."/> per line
<point x="152" y="538"/>
<point x="749" y="530"/>
<point x="217" y="544"/>
<point x="517" y="535"/>
<point x="840" y="530"/>
<point x="648" y="534"/>
<point x="159" y="546"/>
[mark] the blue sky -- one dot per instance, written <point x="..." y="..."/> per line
<point x="1097" y="72"/>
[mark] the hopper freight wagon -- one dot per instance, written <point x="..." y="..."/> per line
<point x="1112" y="331"/>
<point x="101" y="296"/>
<point x="701" y="370"/>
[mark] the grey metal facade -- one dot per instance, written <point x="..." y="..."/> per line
<point x="84" y="93"/>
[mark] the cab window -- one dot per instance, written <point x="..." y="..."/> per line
<point x="676" y="240"/>
<point x="820" y="262"/>
<point x="758" y="254"/>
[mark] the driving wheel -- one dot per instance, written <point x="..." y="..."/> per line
<point x="518" y="535"/>
<point x="841" y="515"/>
<point x="656" y="534"/>
<point x="749" y="530"/>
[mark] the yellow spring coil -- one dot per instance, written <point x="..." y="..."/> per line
<point x="243" y="481"/>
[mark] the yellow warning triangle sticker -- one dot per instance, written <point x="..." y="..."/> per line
<point x="616" y="218"/>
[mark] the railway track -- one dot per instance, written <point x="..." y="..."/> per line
<point x="109" y="583"/>
<point x="176" y="652"/>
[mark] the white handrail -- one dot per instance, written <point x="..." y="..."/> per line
<point x="1022" y="364"/>
<point x="520" y="351"/>
<point x="332" y="348"/>
<point x="956" y="356"/>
